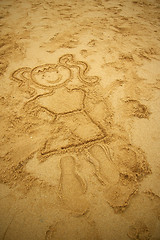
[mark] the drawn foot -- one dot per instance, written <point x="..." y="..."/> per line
<point x="72" y="187"/>
<point x="105" y="168"/>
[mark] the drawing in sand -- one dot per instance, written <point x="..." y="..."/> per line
<point x="67" y="92"/>
<point x="79" y="120"/>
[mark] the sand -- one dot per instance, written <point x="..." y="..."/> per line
<point x="80" y="120"/>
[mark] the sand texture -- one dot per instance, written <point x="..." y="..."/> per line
<point x="80" y="120"/>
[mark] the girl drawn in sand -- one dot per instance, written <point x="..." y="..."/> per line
<point x="63" y="98"/>
<point x="64" y="91"/>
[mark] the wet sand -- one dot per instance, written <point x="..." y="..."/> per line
<point x="80" y="128"/>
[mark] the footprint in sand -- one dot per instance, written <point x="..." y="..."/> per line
<point x="105" y="169"/>
<point x="117" y="190"/>
<point x="72" y="187"/>
<point x="139" y="231"/>
<point x="72" y="228"/>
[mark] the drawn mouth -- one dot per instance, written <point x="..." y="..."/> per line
<point x="55" y="81"/>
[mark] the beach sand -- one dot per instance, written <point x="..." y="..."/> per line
<point x="80" y="120"/>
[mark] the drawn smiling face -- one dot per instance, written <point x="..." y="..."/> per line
<point x="50" y="75"/>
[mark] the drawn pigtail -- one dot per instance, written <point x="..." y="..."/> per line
<point x="22" y="76"/>
<point x="82" y="67"/>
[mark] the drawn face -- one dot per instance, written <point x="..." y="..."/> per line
<point x="50" y="75"/>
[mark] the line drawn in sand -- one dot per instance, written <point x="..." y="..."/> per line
<point x="82" y="118"/>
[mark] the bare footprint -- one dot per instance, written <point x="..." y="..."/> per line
<point x="139" y="231"/>
<point x="119" y="195"/>
<point x="118" y="187"/>
<point x="72" y="228"/>
<point x="72" y="187"/>
<point x="132" y="160"/>
<point x="105" y="168"/>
